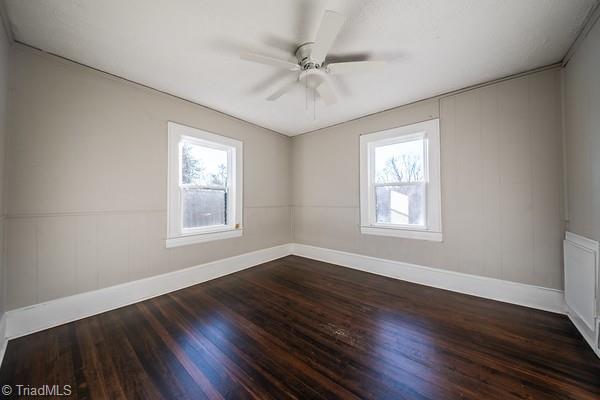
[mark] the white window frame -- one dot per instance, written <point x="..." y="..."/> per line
<point x="432" y="230"/>
<point x="176" y="234"/>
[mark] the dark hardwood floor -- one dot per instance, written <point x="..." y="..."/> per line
<point x="298" y="328"/>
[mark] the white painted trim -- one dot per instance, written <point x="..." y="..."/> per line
<point x="26" y="320"/>
<point x="590" y="336"/>
<point x="538" y="297"/>
<point x="201" y="238"/>
<point x="428" y="130"/>
<point x="582" y="241"/>
<point x="3" y="338"/>
<point x="402" y="233"/>
<point x="590" y="333"/>
<point x="581" y="279"/>
<point x="177" y="134"/>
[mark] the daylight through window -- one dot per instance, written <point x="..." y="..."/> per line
<point x="204" y="186"/>
<point x="400" y="185"/>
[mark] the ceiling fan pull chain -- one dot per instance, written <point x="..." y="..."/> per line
<point x="315" y="105"/>
<point x="306" y="94"/>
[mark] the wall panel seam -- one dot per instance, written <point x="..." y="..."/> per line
<point x="106" y="212"/>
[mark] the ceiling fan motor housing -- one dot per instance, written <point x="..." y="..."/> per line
<point x="303" y="55"/>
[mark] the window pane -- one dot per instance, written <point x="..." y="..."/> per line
<point x="204" y="207"/>
<point x="403" y="205"/>
<point x="400" y="162"/>
<point x="203" y="165"/>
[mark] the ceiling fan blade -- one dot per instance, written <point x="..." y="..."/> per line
<point x="330" y="26"/>
<point x="355" y="67"/>
<point x="275" y="62"/>
<point x="282" y="90"/>
<point x="326" y="93"/>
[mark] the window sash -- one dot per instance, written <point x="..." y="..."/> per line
<point x="227" y="189"/>
<point x="373" y="184"/>
<point x="373" y="208"/>
<point x="400" y="138"/>
<point x="177" y="234"/>
<point x="203" y="143"/>
<point x="373" y="145"/>
<point x="205" y="228"/>
<point x="230" y="150"/>
<point x="207" y="187"/>
<point x="411" y="183"/>
<point x="429" y="132"/>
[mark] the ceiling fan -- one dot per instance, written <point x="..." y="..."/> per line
<point x="313" y="71"/>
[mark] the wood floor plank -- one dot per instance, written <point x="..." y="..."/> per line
<point x="279" y="352"/>
<point x="249" y="350"/>
<point x="334" y="345"/>
<point x="99" y="372"/>
<point x="117" y="352"/>
<point x="414" y="349"/>
<point x="302" y="329"/>
<point x="242" y="384"/>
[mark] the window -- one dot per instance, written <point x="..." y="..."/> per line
<point x="205" y="186"/>
<point x="400" y="182"/>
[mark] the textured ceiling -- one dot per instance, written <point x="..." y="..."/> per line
<point x="190" y="48"/>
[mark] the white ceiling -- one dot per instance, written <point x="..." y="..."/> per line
<point x="190" y="48"/>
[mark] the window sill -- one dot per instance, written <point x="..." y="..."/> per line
<point x="201" y="238"/>
<point x="402" y="233"/>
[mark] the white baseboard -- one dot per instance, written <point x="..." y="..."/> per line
<point x="26" y="320"/>
<point x="495" y="289"/>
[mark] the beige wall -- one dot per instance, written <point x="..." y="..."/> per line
<point x="4" y="53"/>
<point x="87" y="181"/>
<point x="501" y="183"/>
<point x="582" y="128"/>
